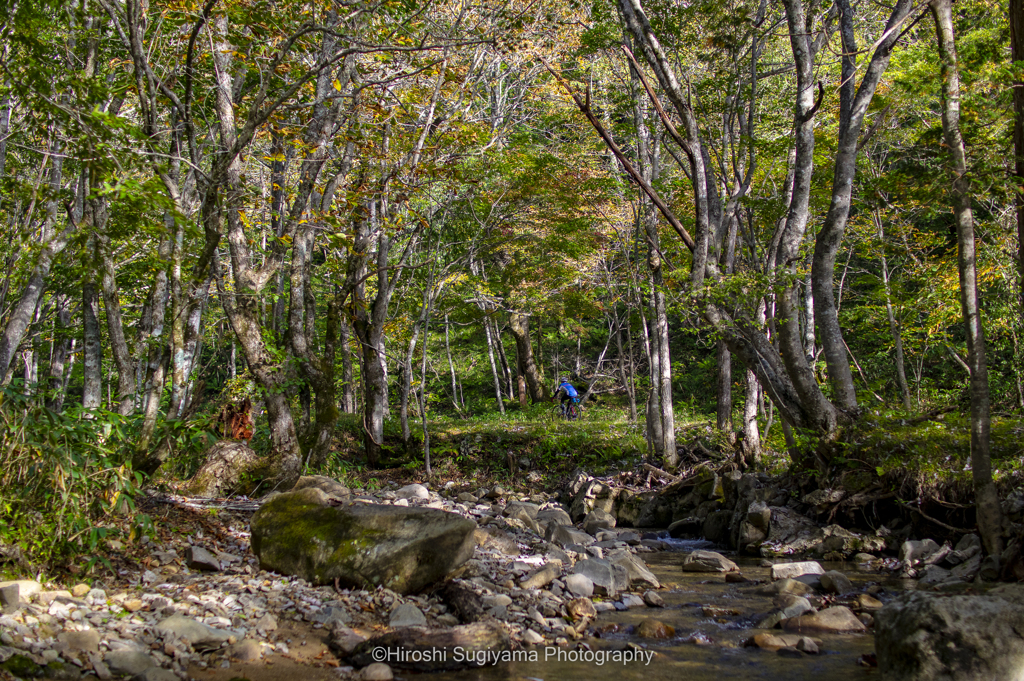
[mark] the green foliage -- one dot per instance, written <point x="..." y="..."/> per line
<point x="64" y="478"/>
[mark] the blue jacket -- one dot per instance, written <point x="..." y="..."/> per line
<point x="569" y="390"/>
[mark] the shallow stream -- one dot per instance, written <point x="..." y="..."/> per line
<point x="718" y="656"/>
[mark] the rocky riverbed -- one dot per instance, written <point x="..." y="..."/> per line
<point x="202" y="608"/>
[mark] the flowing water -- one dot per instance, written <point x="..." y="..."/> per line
<point x="703" y="648"/>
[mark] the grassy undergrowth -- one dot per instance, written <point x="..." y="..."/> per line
<point x="926" y="456"/>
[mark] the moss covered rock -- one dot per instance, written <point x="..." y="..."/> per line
<point x="405" y="549"/>
<point x="231" y="468"/>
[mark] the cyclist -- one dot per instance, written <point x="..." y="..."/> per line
<point x="567" y="393"/>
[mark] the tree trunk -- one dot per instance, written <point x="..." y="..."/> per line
<point x="112" y="309"/>
<point x="62" y="346"/>
<point x="624" y="376"/>
<point x="990" y="522"/>
<point x="348" y="397"/>
<point x="241" y="305"/>
<point x="668" y="423"/>
<point x="92" y="363"/>
<point x="655" y="436"/>
<point x="853" y="108"/>
<point x="506" y="370"/>
<point x="494" y="366"/>
<point x="901" y="374"/>
<point x="1016" y="55"/>
<point x="451" y="366"/>
<point x="21" y="316"/>
<point x="519" y="327"/>
<point x="724" y="390"/>
<point x="751" y="444"/>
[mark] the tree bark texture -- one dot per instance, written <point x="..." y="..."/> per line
<point x="92" y="363"/>
<point x="853" y="108"/>
<point x="519" y="327"/>
<point x="990" y="523"/>
<point x="1016" y="55"/>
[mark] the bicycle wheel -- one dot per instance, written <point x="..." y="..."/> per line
<point x="572" y="412"/>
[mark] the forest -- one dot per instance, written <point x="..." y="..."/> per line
<point x="782" y="234"/>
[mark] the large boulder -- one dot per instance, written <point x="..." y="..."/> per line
<point x="598" y="520"/>
<point x="839" y="540"/>
<point x="791" y="533"/>
<point x="924" y="636"/>
<point x="593" y="494"/>
<point x="402" y="548"/>
<point x="329" y="486"/>
<point x="640" y="576"/>
<point x="708" y="561"/>
<point x="608" y="578"/>
<point x="231" y="468"/>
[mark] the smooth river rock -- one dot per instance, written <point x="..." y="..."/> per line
<point x="923" y="636"/>
<point x="402" y="548"/>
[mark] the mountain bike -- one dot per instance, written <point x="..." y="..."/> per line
<point x="573" y="410"/>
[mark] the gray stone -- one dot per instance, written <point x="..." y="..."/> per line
<point x="835" y="620"/>
<point x="198" y="558"/>
<point x="708" y="561"/>
<point x="791" y="586"/>
<point x="968" y="568"/>
<point x="690" y="526"/>
<point x="407" y="615"/>
<point x="413" y="491"/>
<point x="579" y="585"/>
<point x="593" y="494"/>
<point x="199" y="635"/>
<point x="542" y="576"/>
<point x="653" y="599"/>
<point x="532" y="510"/>
<point x="330" y="614"/>
<point x="966" y="549"/>
<point x="566" y="535"/>
<point x="360" y="545"/>
<point x="246" y="650"/>
<point x="794" y="570"/>
<point x="598" y="520"/>
<point x="156" y="674"/>
<point x="933" y="574"/>
<point x="716" y="527"/>
<point x="532" y="637"/>
<point x="87" y="641"/>
<point x="128" y="662"/>
<point x="521" y="515"/>
<point x="759" y="515"/>
<point x="749" y="536"/>
<point x="922" y="636"/>
<point x="10" y="598"/>
<point x="838" y="539"/>
<point x="267" y="623"/>
<point x="378" y="671"/>
<point x="27" y="588"/>
<point x="608" y="579"/>
<point x="792" y="606"/>
<point x="807" y="645"/>
<point x="554" y="516"/>
<point x="640" y="576"/>
<point x="913" y="551"/>
<point x="328" y="486"/>
<point x="835" y="582"/>
<point x="231" y="467"/>
<point x="791" y="533"/>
